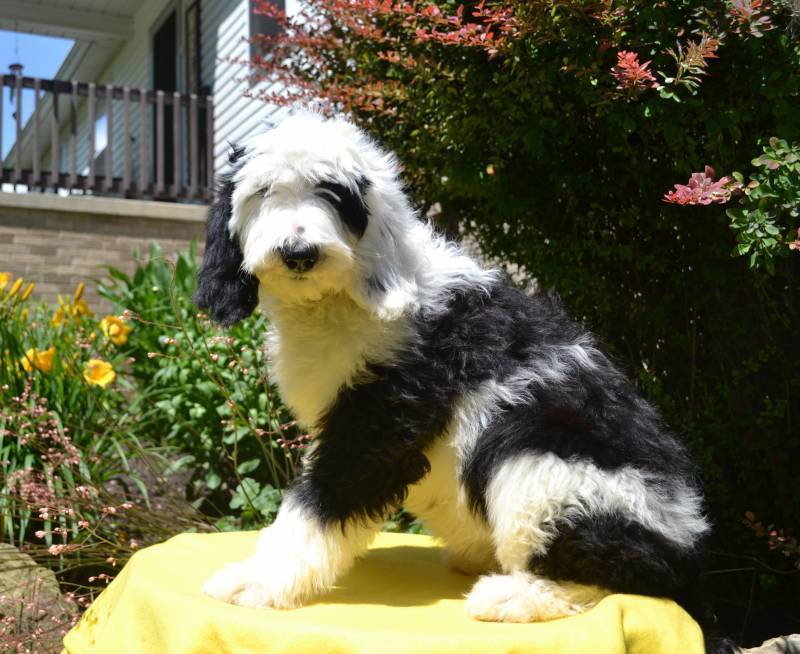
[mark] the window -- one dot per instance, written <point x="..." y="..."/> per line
<point x="261" y="24"/>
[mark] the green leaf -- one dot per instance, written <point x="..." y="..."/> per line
<point x="248" y="466"/>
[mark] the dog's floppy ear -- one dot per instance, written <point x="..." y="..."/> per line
<point x="229" y="293"/>
<point x="390" y="288"/>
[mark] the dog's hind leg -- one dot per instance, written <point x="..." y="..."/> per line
<point x="526" y="597"/>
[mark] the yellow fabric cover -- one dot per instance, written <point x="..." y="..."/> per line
<point x="400" y="598"/>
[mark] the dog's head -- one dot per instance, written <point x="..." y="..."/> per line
<point x="309" y="209"/>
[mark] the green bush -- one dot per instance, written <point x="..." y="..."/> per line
<point x="771" y="201"/>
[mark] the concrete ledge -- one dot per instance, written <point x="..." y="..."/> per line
<point x="105" y="206"/>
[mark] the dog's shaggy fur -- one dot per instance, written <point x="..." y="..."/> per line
<point x="427" y="382"/>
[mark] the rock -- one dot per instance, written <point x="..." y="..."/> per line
<point x="30" y="596"/>
<point x="779" y="645"/>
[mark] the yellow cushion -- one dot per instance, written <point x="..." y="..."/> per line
<point x="400" y="598"/>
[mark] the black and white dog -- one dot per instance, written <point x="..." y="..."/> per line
<point x="428" y="383"/>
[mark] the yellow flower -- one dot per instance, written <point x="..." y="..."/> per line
<point x="59" y="317"/>
<point x="99" y="373"/>
<point x="5" y="277"/>
<point x="78" y="292"/>
<point x="67" y="309"/>
<point x="38" y="359"/>
<point x="15" y="287"/>
<point x="27" y="292"/>
<point x="115" y="330"/>
<point x="80" y="308"/>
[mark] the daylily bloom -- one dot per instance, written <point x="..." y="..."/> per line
<point x="41" y="360"/>
<point x="71" y="309"/>
<point x="5" y="277"/>
<point x="99" y="373"/>
<point x="115" y="330"/>
<point x="80" y="308"/>
<point x="27" y="292"/>
<point x="15" y="287"/>
<point x="59" y="317"/>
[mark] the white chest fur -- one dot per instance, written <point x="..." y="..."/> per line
<point x="319" y="347"/>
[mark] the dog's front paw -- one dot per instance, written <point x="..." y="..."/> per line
<point x="248" y="584"/>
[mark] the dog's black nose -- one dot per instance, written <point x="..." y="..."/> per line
<point x="300" y="259"/>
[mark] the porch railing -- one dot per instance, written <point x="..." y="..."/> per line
<point x="158" y="145"/>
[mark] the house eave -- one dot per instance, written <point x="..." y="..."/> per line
<point x="66" y="22"/>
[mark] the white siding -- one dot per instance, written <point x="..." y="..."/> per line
<point x="224" y="31"/>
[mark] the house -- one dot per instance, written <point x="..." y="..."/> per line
<point x="121" y="147"/>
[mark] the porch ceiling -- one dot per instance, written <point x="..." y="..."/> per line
<point x="94" y="20"/>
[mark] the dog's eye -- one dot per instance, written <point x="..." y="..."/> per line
<point x="348" y="203"/>
<point x="333" y="192"/>
<point x="264" y="192"/>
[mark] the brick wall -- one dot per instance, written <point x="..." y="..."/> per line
<point x="59" y="241"/>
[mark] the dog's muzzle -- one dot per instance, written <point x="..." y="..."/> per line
<point x="300" y="259"/>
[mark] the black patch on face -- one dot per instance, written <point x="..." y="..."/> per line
<point x="349" y="204"/>
<point x="229" y="293"/>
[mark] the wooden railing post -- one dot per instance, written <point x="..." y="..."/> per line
<point x="159" y="143"/>
<point x="37" y="87"/>
<point x="73" y="135"/>
<point x="109" y="174"/>
<point x="18" y="144"/>
<point x="194" y="158"/>
<point x="126" y="140"/>
<point x="90" y="108"/>
<point x="55" y="149"/>
<point x="177" y="184"/>
<point x="142" y="142"/>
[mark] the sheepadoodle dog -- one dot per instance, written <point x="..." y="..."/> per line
<point x="429" y="383"/>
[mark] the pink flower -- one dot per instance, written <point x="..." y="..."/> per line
<point x="702" y="189"/>
<point x="632" y="76"/>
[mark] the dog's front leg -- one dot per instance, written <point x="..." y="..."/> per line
<point x="297" y="558"/>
